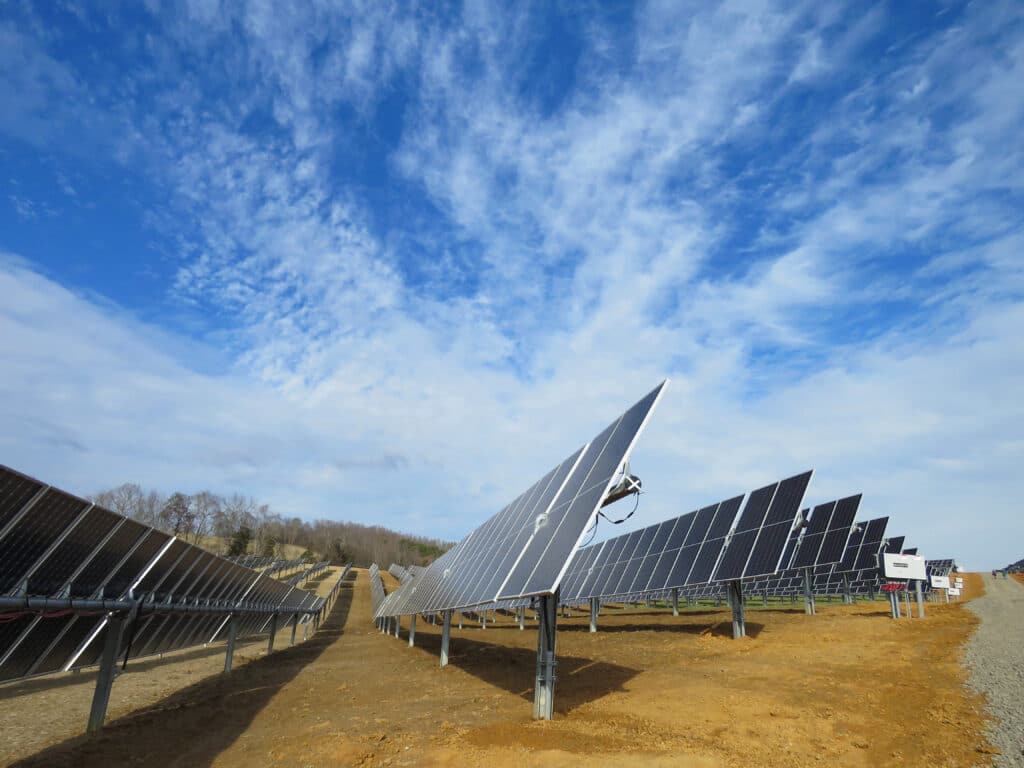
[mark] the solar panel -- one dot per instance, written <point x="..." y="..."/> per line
<point x="780" y="521"/>
<point x="60" y="555"/>
<point x="526" y="548"/>
<point x="813" y="536"/>
<point x="711" y="549"/>
<point x="874" y="538"/>
<point x="894" y="545"/>
<point x="770" y="513"/>
<point x="840" y="528"/>
<point x="849" y="559"/>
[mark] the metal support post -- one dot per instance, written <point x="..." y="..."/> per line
<point x="522" y="619"/>
<point x="764" y="597"/>
<point x="675" y="602"/>
<point x="906" y="599"/>
<point x="229" y="656"/>
<point x="847" y="596"/>
<point x="920" y="599"/>
<point x="295" y="626"/>
<point x="398" y="626"/>
<point x="446" y="633"/>
<point x="105" y="678"/>
<point x="595" y="604"/>
<point x="460" y="619"/>
<point x="273" y="633"/>
<point x="412" y="631"/>
<point x="946" y="593"/>
<point x="483" y="620"/>
<point x="739" y="625"/>
<point x="808" y="592"/>
<point x="544" y="691"/>
<point x="894" y="604"/>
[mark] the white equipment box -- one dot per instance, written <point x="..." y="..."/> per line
<point x="904" y="567"/>
<point x="954" y="593"/>
<point x="940" y="582"/>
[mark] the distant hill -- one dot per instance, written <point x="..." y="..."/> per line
<point x="1017" y="567"/>
<point x="236" y="524"/>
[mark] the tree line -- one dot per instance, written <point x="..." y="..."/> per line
<point x="238" y="524"/>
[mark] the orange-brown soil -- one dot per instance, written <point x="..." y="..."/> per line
<point x="848" y="687"/>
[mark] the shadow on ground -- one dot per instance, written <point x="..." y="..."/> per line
<point x="579" y="680"/>
<point x="194" y="725"/>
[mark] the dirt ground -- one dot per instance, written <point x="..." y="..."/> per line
<point x="848" y="687"/>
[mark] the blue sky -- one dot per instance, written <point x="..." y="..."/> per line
<point x="392" y="262"/>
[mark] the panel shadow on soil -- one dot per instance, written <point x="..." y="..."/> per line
<point x="514" y="669"/>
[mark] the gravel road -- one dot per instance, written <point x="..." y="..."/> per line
<point x="995" y="658"/>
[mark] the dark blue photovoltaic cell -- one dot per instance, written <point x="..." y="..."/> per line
<point x="873" y="538"/>
<point x="92" y="578"/>
<point x="30" y="537"/>
<point x="636" y="560"/>
<point x="645" y="569"/>
<point x="16" y="491"/>
<point x="734" y="560"/>
<point x="619" y="566"/>
<point x="781" y="517"/>
<point x="839" y="529"/>
<point x="711" y="550"/>
<point x="911" y="551"/>
<point x="705" y="560"/>
<point x="574" y="579"/>
<point x="69" y="555"/>
<point x="670" y="550"/>
<point x="132" y="568"/>
<point x="701" y="525"/>
<point x="852" y="549"/>
<point x="895" y="545"/>
<point x="814" y="536"/>
<point x="787" y="553"/>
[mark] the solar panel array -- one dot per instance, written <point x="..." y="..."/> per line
<point x="525" y="549"/>
<point x="65" y="563"/>
<point x="697" y="548"/>
<point x="377" y="591"/>
<point x="940" y="567"/>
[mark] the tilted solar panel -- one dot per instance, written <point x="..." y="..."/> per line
<point x="894" y="545"/>
<point x="813" y="536"/>
<point x="781" y="519"/>
<point x="840" y="528"/>
<point x="69" y="568"/>
<point x="874" y="539"/>
<point x="526" y="548"/>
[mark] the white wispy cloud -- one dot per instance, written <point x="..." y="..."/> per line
<point x="848" y="297"/>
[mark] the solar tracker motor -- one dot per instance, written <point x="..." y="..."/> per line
<point x="627" y="486"/>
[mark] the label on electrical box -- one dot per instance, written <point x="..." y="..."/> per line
<point x="909" y="567"/>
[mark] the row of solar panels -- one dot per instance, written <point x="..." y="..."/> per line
<point x="377" y="591"/>
<point x="700" y="547"/>
<point x="65" y="563"/>
<point x="309" y="573"/>
<point x="525" y="549"/>
<point x="402" y="574"/>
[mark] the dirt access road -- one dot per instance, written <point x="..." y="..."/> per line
<point x="848" y="687"/>
<point x="995" y="657"/>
